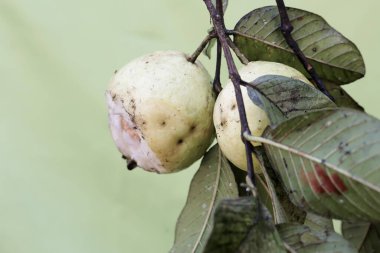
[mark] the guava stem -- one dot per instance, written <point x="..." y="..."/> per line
<point x="211" y="35"/>
<point x="286" y="29"/>
<point x="220" y="29"/>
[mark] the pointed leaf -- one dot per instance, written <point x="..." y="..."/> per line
<point x="363" y="235"/>
<point x="304" y="239"/>
<point x="341" y="97"/>
<point x="213" y="181"/>
<point x="329" y="162"/>
<point x="237" y="229"/>
<point x="334" y="57"/>
<point x="286" y="97"/>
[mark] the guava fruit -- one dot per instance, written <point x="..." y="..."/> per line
<point x="226" y="115"/>
<point x="160" y="109"/>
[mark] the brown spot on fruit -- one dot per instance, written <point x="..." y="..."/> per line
<point x="180" y="141"/>
<point x="233" y="107"/>
<point x="192" y="128"/>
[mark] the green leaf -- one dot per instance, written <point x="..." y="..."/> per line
<point x="363" y="235"/>
<point x="286" y="97"/>
<point x="273" y="195"/>
<point x="334" y="57"/>
<point x="304" y="239"/>
<point x="238" y="229"/>
<point x="319" y="223"/>
<point x="213" y="181"/>
<point x="342" y="98"/>
<point x="329" y="162"/>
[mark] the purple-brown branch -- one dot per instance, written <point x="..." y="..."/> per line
<point x="202" y="46"/>
<point x="218" y="22"/>
<point x="286" y="29"/>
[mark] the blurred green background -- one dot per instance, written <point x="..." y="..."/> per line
<point x="63" y="185"/>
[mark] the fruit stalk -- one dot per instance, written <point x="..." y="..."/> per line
<point x="202" y="46"/>
<point x="286" y="29"/>
<point x="219" y="27"/>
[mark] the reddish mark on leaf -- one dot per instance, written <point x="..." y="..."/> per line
<point x="322" y="183"/>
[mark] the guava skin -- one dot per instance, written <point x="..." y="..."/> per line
<point x="226" y="115"/>
<point x="160" y="111"/>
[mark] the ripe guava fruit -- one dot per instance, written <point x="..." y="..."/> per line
<point x="160" y="110"/>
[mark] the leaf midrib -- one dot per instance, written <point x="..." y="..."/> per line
<point x="290" y="51"/>
<point x="317" y="160"/>
<point x="197" y="242"/>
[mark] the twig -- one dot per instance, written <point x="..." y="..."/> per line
<point x="202" y="46"/>
<point x="286" y="29"/>
<point x="218" y="22"/>
<point x="217" y="86"/>
<point x="237" y="51"/>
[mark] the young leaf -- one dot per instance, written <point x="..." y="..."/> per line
<point x="209" y="47"/>
<point x="329" y="162"/>
<point x="333" y="56"/>
<point x="213" y="181"/>
<point x="363" y="235"/>
<point x="304" y="239"/>
<point x="342" y="98"/>
<point x="239" y="228"/>
<point x="286" y="97"/>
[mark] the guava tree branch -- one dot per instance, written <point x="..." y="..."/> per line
<point x="219" y="27"/>
<point x="216" y="83"/>
<point x="286" y="29"/>
<point x="202" y="46"/>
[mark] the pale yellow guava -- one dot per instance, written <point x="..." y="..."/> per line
<point x="160" y="111"/>
<point x="226" y="115"/>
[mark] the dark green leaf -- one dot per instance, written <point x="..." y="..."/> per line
<point x="363" y="235"/>
<point x="286" y="97"/>
<point x="329" y="162"/>
<point x="304" y="239"/>
<point x="213" y="181"/>
<point x="334" y="57"/>
<point x="238" y="229"/>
